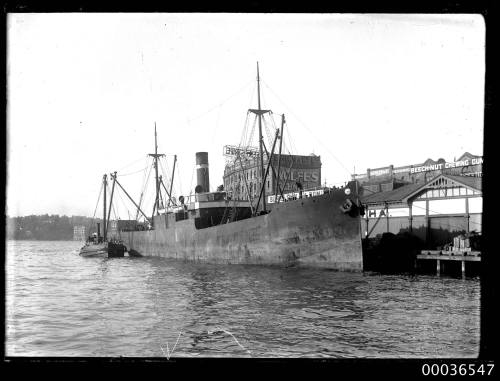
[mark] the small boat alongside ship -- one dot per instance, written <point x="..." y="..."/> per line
<point x="99" y="246"/>
<point x="320" y="230"/>
<point x="104" y="249"/>
<point x="92" y="249"/>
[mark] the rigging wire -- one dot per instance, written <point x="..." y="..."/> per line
<point x="116" y="219"/>
<point x="167" y="180"/>
<point x="144" y="178"/>
<point x="245" y="129"/>
<point x="270" y="138"/>
<point x="191" y="186"/>
<point x="145" y="186"/>
<point x="95" y="211"/>
<point x="107" y="210"/>
<point x="247" y="136"/>
<point x="147" y="196"/>
<point x="244" y="142"/>
<point x="273" y="122"/>
<point x="252" y="132"/>
<point x="252" y="94"/>
<point x="133" y="173"/>
<point x="113" y="207"/>
<point x="291" y="144"/>
<point x="304" y="125"/>
<point x="122" y="201"/>
<point x="164" y="171"/>
<point x="110" y="201"/>
<point x="220" y="103"/>
<point x="128" y="165"/>
<point x="263" y="100"/>
<point x="179" y="177"/>
<point x="214" y="132"/>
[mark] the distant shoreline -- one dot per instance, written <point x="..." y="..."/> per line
<point x="48" y="239"/>
<point x="49" y="227"/>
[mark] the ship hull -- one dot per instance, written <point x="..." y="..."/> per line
<point x="310" y="232"/>
<point x="97" y="250"/>
<point x="103" y="250"/>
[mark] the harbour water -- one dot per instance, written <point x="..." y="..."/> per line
<point x="60" y="304"/>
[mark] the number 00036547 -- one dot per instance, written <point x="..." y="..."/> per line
<point x="458" y="369"/>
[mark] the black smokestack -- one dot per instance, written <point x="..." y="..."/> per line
<point x="98" y="229"/>
<point x="203" y="181"/>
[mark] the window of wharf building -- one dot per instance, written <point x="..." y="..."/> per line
<point x="448" y="192"/>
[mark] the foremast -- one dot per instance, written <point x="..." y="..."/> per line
<point x="155" y="156"/>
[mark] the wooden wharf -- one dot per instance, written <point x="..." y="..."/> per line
<point x="449" y="255"/>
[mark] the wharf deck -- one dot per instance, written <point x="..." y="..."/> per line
<point x="445" y="255"/>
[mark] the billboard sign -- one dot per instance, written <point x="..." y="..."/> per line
<point x="234" y="151"/>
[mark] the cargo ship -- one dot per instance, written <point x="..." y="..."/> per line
<point x="321" y="230"/>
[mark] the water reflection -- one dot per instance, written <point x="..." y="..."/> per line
<point x="61" y="304"/>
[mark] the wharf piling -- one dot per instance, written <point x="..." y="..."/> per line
<point x="443" y="256"/>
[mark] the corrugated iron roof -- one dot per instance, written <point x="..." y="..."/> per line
<point x="384" y="181"/>
<point x="394" y="195"/>
<point x="399" y="194"/>
<point x="473" y="182"/>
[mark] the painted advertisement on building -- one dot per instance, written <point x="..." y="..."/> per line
<point x="447" y="165"/>
<point x="308" y="178"/>
<point x="467" y="165"/>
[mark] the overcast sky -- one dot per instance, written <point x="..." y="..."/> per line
<point x="362" y="91"/>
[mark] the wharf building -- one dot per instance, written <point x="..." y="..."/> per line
<point x="434" y="201"/>
<point x="242" y="178"/>
<point x="388" y="178"/>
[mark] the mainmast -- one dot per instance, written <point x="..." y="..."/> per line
<point x="259" y="112"/>
<point x="260" y="141"/>
<point x="279" y="159"/>
<point x="156" y="156"/>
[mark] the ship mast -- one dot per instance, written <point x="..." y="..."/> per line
<point x="156" y="156"/>
<point x="279" y="159"/>
<point x="105" y="184"/>
<point x="111" y="200"/>
<point x="259" y="114"/>
<point x="172" y="181"/>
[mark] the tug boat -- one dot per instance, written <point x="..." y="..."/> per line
<point x="94" y="250"/>
<point x="99" y="246"/>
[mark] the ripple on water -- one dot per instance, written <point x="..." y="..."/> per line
<point x="59" y="304"/>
